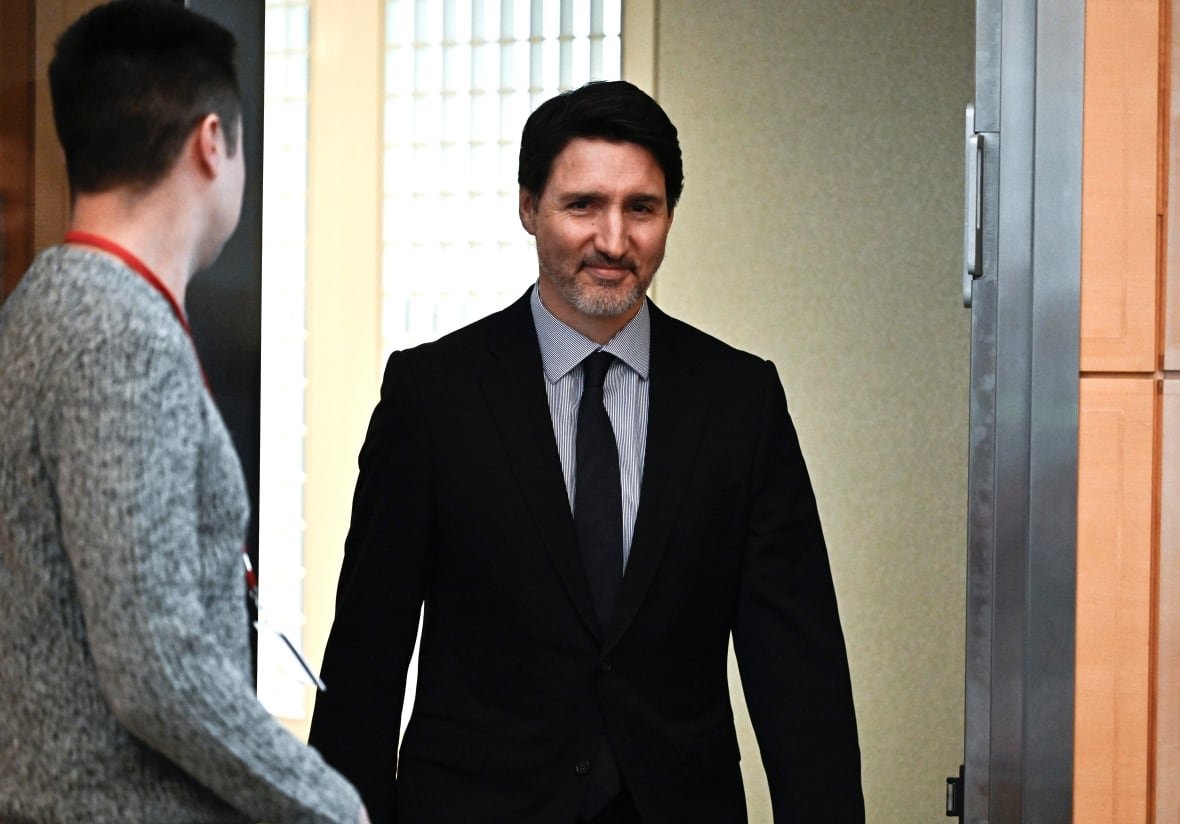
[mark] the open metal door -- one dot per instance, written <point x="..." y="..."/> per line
<point x="1022" y="261"/>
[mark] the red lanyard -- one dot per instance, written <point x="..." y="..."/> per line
<point x="140" y="268"/>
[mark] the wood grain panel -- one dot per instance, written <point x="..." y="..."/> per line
<point x="1167" y="680"/>
<point x="16" y="141"/>
<point x="1172" y="255"/>
<point x="51" y="201"/>
<point x="1119" y="180"/>
<point x="1114" y="599"/>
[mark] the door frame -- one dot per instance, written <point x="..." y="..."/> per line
<point x="1022" y="485"/>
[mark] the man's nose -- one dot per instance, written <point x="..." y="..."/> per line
<point x="611" y="237"/>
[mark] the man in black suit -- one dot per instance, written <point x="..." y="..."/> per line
<point x="586" y="531"/>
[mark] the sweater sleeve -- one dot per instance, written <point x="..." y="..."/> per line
<point x="131" y="466"/>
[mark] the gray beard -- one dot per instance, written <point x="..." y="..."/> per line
<point x="600" y="303"/>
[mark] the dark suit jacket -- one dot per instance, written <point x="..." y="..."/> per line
<point x="461" y="503"/>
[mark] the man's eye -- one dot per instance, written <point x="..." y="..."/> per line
<point x="580" y="204"/>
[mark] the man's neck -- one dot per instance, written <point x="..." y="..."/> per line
<point x="150" y="226"/>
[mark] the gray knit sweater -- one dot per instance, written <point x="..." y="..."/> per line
<point x="125" y="687"/>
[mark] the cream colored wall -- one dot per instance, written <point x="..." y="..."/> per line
<point x="343" y="294"/>
<point x="820" y="227"/>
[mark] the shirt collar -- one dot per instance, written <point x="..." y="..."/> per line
<point x="563" y="348"/>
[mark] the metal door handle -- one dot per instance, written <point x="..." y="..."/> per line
<point x="973" y="193"/>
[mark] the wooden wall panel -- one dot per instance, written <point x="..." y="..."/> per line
<point x="1119" y="181"/>
<point x="1114" y="599"/>
<point x="51" y="201"/>
<point x="1171" y="260"/>
<point x="16" y="141"/>
<point x="1167" y="681"/>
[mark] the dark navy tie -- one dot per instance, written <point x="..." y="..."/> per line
<point x="598" y="494"/>
<point x="598" y="519"/>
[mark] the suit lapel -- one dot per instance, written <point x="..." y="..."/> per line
<point x="511" y="381"/>
<point x="677" y="411"/>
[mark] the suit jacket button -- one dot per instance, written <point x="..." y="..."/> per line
<point x="582" y="767"/>
<point x="605" y="665"/>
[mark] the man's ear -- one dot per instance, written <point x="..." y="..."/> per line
<point x="209" y="144"/>
<point x="528" y="211"/>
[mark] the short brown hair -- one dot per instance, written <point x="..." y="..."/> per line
<point x="130" y="80"/>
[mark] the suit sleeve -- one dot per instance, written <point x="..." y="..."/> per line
<point x="357" y="721"/>
<point x="787" y="636"/>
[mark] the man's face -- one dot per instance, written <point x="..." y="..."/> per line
<point x="601" y="225"/>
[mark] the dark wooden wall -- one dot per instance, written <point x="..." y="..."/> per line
<point x="16" y="141"/>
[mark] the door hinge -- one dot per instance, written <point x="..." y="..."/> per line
<point x="954" y="796"/>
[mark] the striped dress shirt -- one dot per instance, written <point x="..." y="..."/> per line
<point x="624" y="392"/>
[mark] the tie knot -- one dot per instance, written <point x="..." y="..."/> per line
<point x="594" y="368"/>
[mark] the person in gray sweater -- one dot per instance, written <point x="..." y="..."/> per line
<point x="125" y="683"/>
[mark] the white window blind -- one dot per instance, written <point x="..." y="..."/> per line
<point x="461" y="77"/>
<point x="284" y="290"/>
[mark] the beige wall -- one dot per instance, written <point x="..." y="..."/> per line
<point x="820" y="227"/>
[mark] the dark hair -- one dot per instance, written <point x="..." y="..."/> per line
<point x="130" y="80"/>
<point x="613" y="110"/>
